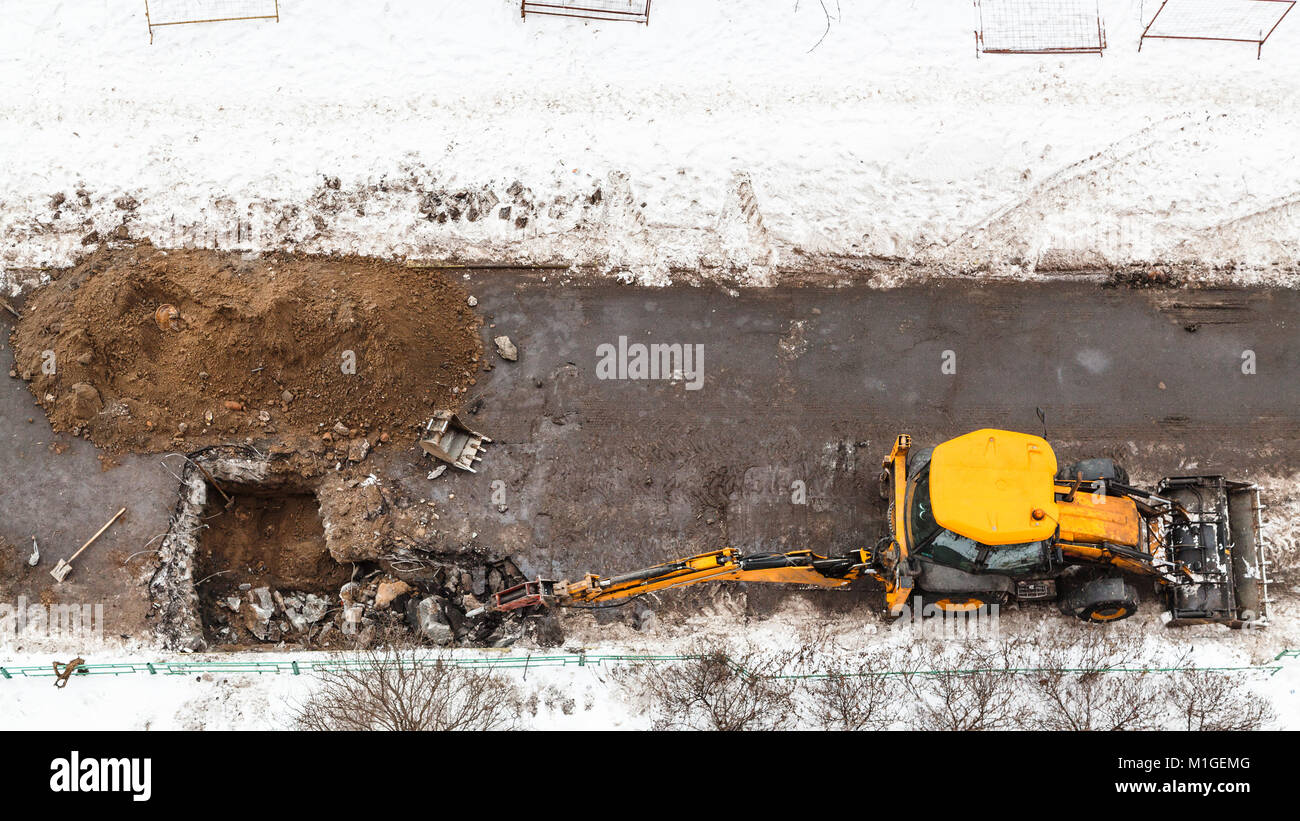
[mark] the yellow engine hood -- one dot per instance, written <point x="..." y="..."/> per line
<point x="986" y="486"/>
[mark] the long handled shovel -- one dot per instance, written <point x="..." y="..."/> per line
<point x="62" y="569"/>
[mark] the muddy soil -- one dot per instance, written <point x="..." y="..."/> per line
<point x="268" y="346"/>
<point x="268" y="540"/>
<point x="256" y="541"/>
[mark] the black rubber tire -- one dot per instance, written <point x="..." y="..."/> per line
<point x="943" y="601"/>
<point x="1102" y="600"/>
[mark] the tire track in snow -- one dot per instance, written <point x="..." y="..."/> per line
<point x="1012" y="225"/>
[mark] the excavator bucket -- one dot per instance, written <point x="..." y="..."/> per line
<point x="1216" y="534"/>
<point x="448" y="439"/>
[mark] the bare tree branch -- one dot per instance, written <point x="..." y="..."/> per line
<point x="717" y="690"/>
<point x="854" y="696"/>
<point x="1213" y="700"/>
<point x="405" y="689"/>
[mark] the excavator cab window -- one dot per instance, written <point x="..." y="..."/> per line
<point x="928" y="538"/>
<point x="921" y="524"/>
<point x="1016" y="558"/>
<point x="952" y="550"/>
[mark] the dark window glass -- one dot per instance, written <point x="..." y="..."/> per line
<point x="922" y="522"/>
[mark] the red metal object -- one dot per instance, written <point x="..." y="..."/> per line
<point x="633" y="11"/>
<point x="1216" y="15"/>
<point x="528" y="594"/>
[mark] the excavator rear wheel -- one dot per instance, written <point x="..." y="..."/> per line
<point x="959" y="604"/>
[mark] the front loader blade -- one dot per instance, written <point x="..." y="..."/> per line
<point x="1215" y="539"/>
<point x="1249" y="554"/>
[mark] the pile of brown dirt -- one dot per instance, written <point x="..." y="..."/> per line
<point x="259" y="351"/>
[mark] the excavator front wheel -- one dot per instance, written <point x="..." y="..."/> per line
<point x="1102" y="600"/>
<point x="1113" y="611"/>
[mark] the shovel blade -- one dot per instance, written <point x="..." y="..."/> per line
<point x="61" y="570"/>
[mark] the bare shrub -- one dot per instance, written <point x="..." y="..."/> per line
<point x="717" y="690"/>
<point x="1107" y="699"/>
<point x="966" y="687"/>
<point x="838" y="16"/>
<point x="1216" y="700"/>
<point x="402" y="688"/>
<point x="855" y="696"/>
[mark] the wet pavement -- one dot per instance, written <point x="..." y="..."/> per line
<point x="801" y="393"/>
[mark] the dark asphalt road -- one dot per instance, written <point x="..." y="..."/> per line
<point x="812" y="385"/>
<point x="799" y="386"/>
<point x="56" y="488"/>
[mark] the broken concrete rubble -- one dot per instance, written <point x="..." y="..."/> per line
<point x="358" y="449"/>
<point x="315" y="607"/>
<point x="304" y="609"/>
<point x="353" y="612"/>
<point x="258" y="615"/>
<point x="390" y="591"/>
<point x="431" y="622"/>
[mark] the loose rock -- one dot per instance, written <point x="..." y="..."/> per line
<point x="506" y="349"/>
<point x="389" y="591"/>
<point x="432" y="623"/>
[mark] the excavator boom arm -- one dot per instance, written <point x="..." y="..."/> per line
<point x="727" y="564"/>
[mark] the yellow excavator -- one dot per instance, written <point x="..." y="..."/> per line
<point x="990" y="518"/>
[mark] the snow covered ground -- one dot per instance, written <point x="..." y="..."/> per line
<point x="725" y="134"/>
<point x="589" y="698"/>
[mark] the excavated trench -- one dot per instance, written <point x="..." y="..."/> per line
<point x="270" y="548"/>
<point x="264" y="553"/>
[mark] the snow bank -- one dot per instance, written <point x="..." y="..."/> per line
<point x="589" y="698"/>
<point x="722" y="135"/>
